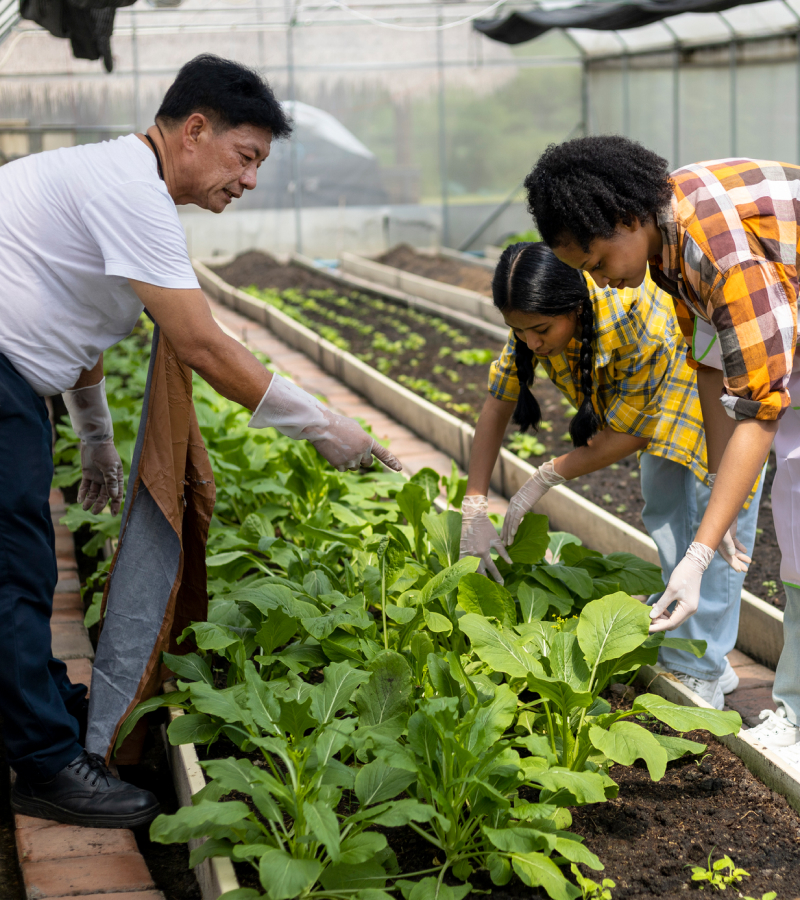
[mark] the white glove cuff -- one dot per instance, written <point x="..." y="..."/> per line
<point x="474" y="505"/>
<point x="290" y="410"/>
<point x="547" y="473"/>
<point x="700" y="555"/>
<point x="89" y="413"/>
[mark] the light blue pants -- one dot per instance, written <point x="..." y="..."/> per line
<point x="786" y="690"/>
<point x="674" y="503"/>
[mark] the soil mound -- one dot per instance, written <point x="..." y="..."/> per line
<point x="264" y="271"/>
<point x="440" y="268"/>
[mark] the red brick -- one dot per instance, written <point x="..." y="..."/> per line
<point x="139" y="895"/>
<point x="66" y="615"/>
<point x="68" y="842"/>
<point x="754" y="676"/>
<point x="67" y="560"/>
<point x="111" y="873"/>
<point x="71" y="641"/>
<point x="56" y="496"/>
<point x="79" y="671"/>
<point x="68" y="585"/>
<point x="64" y="544"/>
<point x="32" y="822"/>
<point x="67" y="601"/>
<point x="62" y="531"/>
<point x="736" y="658"/>
<point x="749" y="703"/>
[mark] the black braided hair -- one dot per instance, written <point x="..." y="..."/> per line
<point x="530" y="279"/>
<point x="582" y="189"/>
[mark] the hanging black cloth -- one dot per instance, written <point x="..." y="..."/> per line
<point x="88" y="24"/>
<point x="615" y="16"/>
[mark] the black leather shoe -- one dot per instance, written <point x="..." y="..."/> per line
<point x="85" y="793"/>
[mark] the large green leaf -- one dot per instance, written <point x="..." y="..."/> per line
<point x="531" y="540"/>
<point x="499" y="648"/>
<point x="580" y="787"/>
<point x="566" y="661"/>
<point x="430" y="889"/>
<point x="366" y="875"/>
<point x="204" y="820"/>
<point x="636" y="576"/>
<point x="611" y="627"/>
<point x="448" y="579"/>
<point x="361" y="847"/>
<point x="324" y="825"/>
<point x="533" y="602"/>
<point x="570" y="847"/>
<point x="189" y="667"/>
<point x="484" y="597"/>
<point x="192" y="728"/>
<point x="486" y="723"/>
<point x="385" y="700"/>
<point x="677" y="747"/>
<point x="688" y="645"/>
<point x="428" y="480"/>
<point x="377" y="782"/>
<point x="444" y="533"/>
<point x="284" y="877"/>
<point x="538" y="870"/>
<point x="222" y="704"/>
<point x="625" y="742"/>
<point x="559" y="692"/>
<point x="413" y="503"/>
<point x="174" y="698"/>
<point x="689" y="718"/>
<point x="339" y="683"/>
<point x="520" y="839"/>
<point x="578" y="581"/>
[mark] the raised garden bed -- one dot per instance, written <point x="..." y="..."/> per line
<point x="350" y="320"/>
<point x="440" y="268"/>
<point x="313" y="575"/>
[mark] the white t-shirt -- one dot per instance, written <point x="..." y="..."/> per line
<point x="75" y="225"/>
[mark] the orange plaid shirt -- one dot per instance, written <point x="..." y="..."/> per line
<point x="730" y="257"/>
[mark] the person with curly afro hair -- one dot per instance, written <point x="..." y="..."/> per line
<point x="721" y="237"/>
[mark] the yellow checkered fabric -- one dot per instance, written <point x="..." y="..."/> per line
<point x="642" y="385"/>
<point x="731" y="237"/>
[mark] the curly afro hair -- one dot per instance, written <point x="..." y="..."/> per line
<point x="582" y="189"/>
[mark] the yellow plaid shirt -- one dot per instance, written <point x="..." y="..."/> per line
<point x="731" y="239"/>
<point x="642" y="385"/>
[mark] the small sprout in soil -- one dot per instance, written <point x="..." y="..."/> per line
<point x="759" y="530"/>
<point x="566" y="437"/>
<point x="591" y="890"/>
<point x="614" y="466"/>
<point x="453" y="376"/>
<point x="607" y="498"/>
<point x="771" y="586"/>
<point x="586" y="487"/>
<point x="527" y="445"/>
<point x="438" y="369"/>
<point x="634" y="474"/>
<point x="474" y="357"/>
<point x="720" y="874"/>
<point x="444" y="351"/>
<point x="770" y="896"/>
<point x="621" y="508"/>
<point x="545" y="425"/>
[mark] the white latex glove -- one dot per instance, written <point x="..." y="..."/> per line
<point x="683" y="589"/>
<point x="298" y="415"/>
<point x="528" y="496"/>
<point x="732" y="551"/>
<point x="479" y="537"/>
<point x="101" y="466"/>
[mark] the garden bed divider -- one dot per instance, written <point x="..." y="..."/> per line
<point x="215" y="875"/>
<point x="448" y="295"/>
<point x="761" y="625"/>
<point x="763" y="763"/>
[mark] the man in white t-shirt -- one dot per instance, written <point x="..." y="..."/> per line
<point x="88" y="236"/>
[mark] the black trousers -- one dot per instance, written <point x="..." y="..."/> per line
<point x="36" y="696"/>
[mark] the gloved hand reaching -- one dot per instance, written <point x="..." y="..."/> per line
<point x="101" y="467"/>
<point x="479" y="537"/>
<point x="732" y="551"/>
<point x="339" y="439"/>
<point x="683" y="589"/>
<point x="528" y="496"/>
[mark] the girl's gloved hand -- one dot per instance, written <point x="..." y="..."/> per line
<point x="298" y="415"/>
<point x="528" y="496"/>
<point x="101" y="467"/>
<point x="683" y="589"/>
<point x="479" y="537"/>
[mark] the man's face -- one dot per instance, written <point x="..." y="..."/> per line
<point x="226" y="163"/>
<point x="618" y="262"/>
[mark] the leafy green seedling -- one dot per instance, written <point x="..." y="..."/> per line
<point x="719" y="875"/>
<point x="591" y="890"/>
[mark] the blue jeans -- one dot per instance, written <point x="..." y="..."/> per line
<point x="674" y="503"/>
<point x="36" y="696"/>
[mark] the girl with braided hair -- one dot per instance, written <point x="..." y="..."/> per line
<point x="616" y="356"/>
<point x="722" y="238"/>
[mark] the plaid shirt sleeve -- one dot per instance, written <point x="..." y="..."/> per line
<point x="503" y="381"/>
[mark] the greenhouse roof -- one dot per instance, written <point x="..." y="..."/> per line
<point x="602" y="28"/>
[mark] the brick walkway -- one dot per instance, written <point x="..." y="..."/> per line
<point x="755" y="682"/>
<point x="62" y="861"/>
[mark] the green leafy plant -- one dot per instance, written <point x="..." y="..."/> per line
<point x="719" y="875"/>
<point x="526" y="445"/>
<point x="591" y="890"/>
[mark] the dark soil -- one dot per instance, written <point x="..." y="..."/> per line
<point x="439" y="268"/>
<point x="615" y="489"/>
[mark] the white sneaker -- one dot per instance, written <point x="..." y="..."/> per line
<point x="775" y="731"/>
<point x="710" y="691"/>
<point x="791" y="755"/>
<point x="729" y="680"/>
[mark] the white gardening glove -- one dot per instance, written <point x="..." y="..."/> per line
<point x="528" y="496"/>
<point x="683" y="587"/>
<point x="732" y="551"/>
<point x="479" y="537"/>
<point x="101" y="466"/>
<point x="298" y="415"/>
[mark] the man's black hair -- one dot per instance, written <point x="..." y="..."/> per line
<point x="227" y="93"/>
<point x="582" y="189"/>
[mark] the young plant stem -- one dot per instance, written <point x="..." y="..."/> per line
<point x="383" y="604"/>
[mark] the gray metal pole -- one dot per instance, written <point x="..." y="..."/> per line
<point x="295" y="158"/>
<point x="733" y="80"/>
<point x="676" y="97"/>
<point x="626" y="95"/>
<point x="135" y="62"/>
<point x="443" y="175"/>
